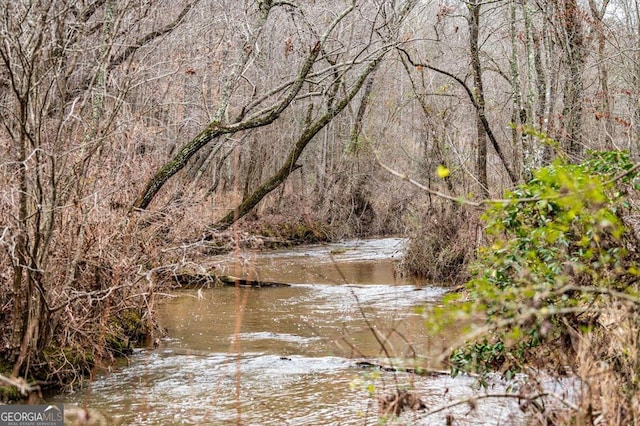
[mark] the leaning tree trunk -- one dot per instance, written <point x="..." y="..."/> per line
<point x="290" y="165"/>
<point x="217" y="127"/>
<point x="478" y="93"/>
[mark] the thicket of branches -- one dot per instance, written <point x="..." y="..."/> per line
<point x="75" y="286"/>
<point x="109" y="105"/>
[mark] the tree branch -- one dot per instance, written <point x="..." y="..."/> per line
<point x="481" y="113"/>
<point x="130" y="50"/>
<point x="215" y="128"/>
<point x="487" y="201"/>
<point x="290" y="164"/>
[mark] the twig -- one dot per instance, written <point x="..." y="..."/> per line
<point x="601" y="290"/>
<point x="20" y="383"/>
<point x="363" y="314"/>
<point x="460" y="200"/>
<point x="623" y="174"/>
<point x="488" y="201"/>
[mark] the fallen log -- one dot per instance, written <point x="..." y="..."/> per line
<point x="417" y="371"/>
<point x="233" y="281"/>
<point x="186" y="279"/>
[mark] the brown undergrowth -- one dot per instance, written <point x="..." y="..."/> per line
<point x="595" y="374"/>
<point x="604" y="365"/>
<point x="100" y="290"/>
<point x="443" y="244"/>
<point x="97" y="304"/>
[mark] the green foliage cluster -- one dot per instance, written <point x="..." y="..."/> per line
<point x="558" y="254"/>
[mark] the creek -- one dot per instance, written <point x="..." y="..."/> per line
<point x="288" y="355"/>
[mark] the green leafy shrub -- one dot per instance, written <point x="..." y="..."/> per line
<point x="559" y="263"/>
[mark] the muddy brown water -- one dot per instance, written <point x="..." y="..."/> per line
<point x="288" y="356"/>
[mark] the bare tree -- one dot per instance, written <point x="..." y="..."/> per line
<point x="59" y="104"/>
<point x="478" y="94"/>
<point x="571" y="39"/>
<point x="332" y="77"/>
<point x="604" y="109"/>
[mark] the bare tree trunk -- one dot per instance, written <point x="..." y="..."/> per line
<point x="26" y="303"/>
<point x="636" y="75"/>
<point x="520" y="140"/>
<point x="536" y="94"/>
<point x="547" y="49"/>
<point x="354" y="140"/>
<point x="604" y="109"/>
<point x="573" y="45"/>
<point x="540" y="90"/>
<point x="478" y="93"/>
<point x="21" y="284"/>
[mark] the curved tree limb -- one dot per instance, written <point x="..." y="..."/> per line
<point x="488" y="201"/>
<point x="216" y="129"/>
<point x="149" y="37"/>
<point x="311" y="130"/>
<point x="130" y="50"/>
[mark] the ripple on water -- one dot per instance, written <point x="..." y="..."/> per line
<point x="381" y="299"/>
<point x="345" y="251"/>
<point x="282" y="337"/>
<point x="169" y="388"/>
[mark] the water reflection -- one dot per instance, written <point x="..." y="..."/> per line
<point x="361" y="261"/>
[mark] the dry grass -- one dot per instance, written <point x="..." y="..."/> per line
<point x="91" y="263"/>
<point x="606" y="365"/>
<point x="443" y="245"/>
